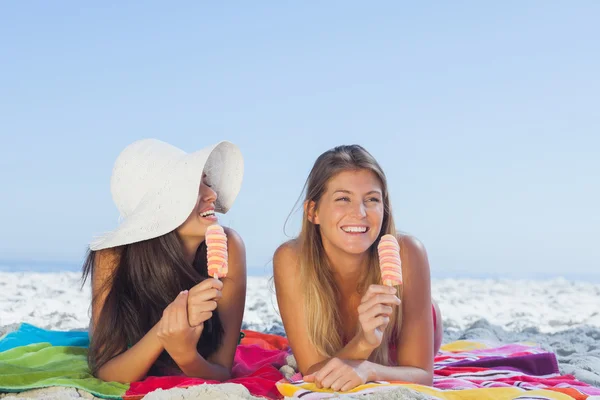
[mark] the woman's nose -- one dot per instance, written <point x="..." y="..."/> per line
<point x="208" y="194"/>
<point x="360" y="210"/>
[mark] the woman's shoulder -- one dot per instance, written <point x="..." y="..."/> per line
<point x="286" y="258"/>
<point x="106" y="260"/>
<point x="286" y="269"/>
<point x="105" y="264"/>
<point x="412" y="252"/>
<point x="410" y="244"/>
<point x="233" y="238"/>
<point x="288" y="251"/>
<point x="237" y="254"/>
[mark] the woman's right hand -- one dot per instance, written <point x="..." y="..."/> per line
<point x="374" y="312"/>
<point x="175" y="333"/>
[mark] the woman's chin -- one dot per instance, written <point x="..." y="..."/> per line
<point x="356" y="248"/>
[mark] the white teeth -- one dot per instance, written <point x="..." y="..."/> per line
<point x="355" y="229"/>
<point x="207" y="213"/>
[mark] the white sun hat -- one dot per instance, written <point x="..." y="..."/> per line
<point x="155" y="187"/>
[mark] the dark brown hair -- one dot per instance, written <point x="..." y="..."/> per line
<point x="147" y="278"/>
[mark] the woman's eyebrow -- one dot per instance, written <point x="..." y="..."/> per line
<point x="349" y="192"/>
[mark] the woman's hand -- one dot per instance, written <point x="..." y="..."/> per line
<point x="341" y="375"/>
<point x="202" y="301"/>
<point x="175" y="333"/>
<point x="374" y="312"/>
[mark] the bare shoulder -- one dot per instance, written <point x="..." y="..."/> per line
<point x="286" y="267"/>
<point x="234" y="240"/>
<point x="287" y="278"/>
<point x="286" y="257"/>
<point x="237" y="252"/>
<point x="105" y="262"/>
<point x="411" y="245"/>
<point x="107" y="257"/>
<point x="413" y="254"/>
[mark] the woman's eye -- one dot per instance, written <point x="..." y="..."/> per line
<point x="374" y="199"/>
<point x="342" y="199"/>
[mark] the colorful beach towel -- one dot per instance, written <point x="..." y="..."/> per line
<point x="28" y="334"/>
<point x="476" y="370"/>
<point x="254" y="367"/>
<point x="32" y="358"/>
<point x="42" y="365"/>
<point x="35" y="358"/>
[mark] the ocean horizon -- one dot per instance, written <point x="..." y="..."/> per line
<point x="51" y="266"/>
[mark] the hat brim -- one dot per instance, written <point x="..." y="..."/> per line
<point x="174" y="193"/>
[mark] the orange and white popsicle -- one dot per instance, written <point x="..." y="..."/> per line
<point x="389" y="260"/>
<point x="216" y="246"/>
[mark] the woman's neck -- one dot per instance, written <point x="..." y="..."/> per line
<point x="348" y="269"/>
<point x="190" y="247"/>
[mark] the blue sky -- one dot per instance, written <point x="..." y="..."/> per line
<point x="484" y="115"/>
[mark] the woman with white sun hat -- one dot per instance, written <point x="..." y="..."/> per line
<point x="155" y="310"/>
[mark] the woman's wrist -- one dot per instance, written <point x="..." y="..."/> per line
<point x="368" y="371"/>
<point x="362" y="347"/>
<point x="186" y="360"/>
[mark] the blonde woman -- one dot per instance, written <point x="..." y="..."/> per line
<point x="345" y="328"/>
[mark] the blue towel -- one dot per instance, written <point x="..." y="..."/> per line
<point x="28" y="334"/>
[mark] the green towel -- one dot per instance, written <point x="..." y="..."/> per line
<point x="42" y="365"/>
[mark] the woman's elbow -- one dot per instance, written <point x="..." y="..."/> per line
<point x="216" y="372"/>
<point x="224" y="374"/>
<point x="108" y="375"/>
<point x="425" y="378"/>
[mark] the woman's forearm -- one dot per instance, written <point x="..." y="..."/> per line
<point x="133" y="364"/>
<point x="378" y="372"/>
<point x="198" y="367"/>
<point x="354" y="350"/>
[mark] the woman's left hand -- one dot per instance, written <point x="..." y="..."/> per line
<point x="174" y="332"/>
<point x="202" y="301"/>
<point x="341" y="375"/>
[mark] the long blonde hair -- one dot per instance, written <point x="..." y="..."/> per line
<point x="321" y="296"/>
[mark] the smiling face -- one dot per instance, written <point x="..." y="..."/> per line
<point x="350" y="212"/>
<point x="203" y="214"/>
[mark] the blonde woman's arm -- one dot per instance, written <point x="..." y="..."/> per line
<point x="286" y="271"/>
<point x="415" y="345"/>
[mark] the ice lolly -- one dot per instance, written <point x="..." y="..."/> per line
<point x="389" y="260"/>
<point x="216" y="246"/>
